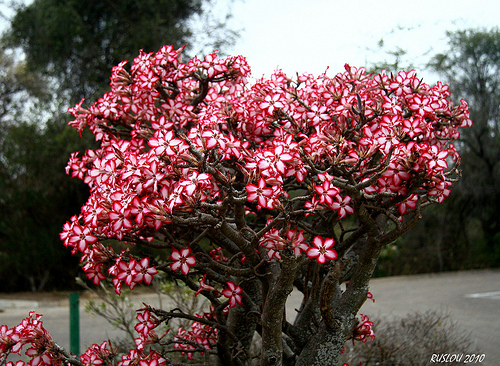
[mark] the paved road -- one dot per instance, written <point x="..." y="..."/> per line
<point x="472" y="298"/>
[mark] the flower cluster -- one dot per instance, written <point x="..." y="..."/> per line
<point x="329" y="134"/>
<point x="131" y="272"/>
<point x="364" y="330"/>
<point x="146" y="322"/>
<point x="200" y="334"/>
<point x="41" y="348"/>
<point x="274" y="242"/>
<point x="44" y="351"/>
<point x="98" y="355"/>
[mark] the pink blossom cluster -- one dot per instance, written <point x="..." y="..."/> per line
<point x="364" y="330"/>
<point x="316" y="129"/>
<point x="42" y="350"/>
<point x="146" y="323"/>
<point x="203" y="335"/>
<point x="275" y="242"/>
<point x="198" y="149"/>
<point x="98" y="355"/>
<point x="96" y="256"/>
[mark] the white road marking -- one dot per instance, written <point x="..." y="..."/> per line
<point x="489" y="295"/>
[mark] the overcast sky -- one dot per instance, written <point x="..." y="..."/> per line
<point x="308" y="36"/>
<point x="311" y="35"/>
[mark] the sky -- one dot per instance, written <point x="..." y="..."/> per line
<point x="309" y="36"/>
<point x="313" y="35"/>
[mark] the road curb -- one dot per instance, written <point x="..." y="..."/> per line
<point x="18" y="304"/>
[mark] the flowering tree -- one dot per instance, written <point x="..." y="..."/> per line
<point x="251" y="190"/>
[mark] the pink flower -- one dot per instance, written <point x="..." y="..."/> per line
<point x="38" y="357"/>
<point x="147" y="80"/>
<point x="120" y="217"/>
<point x="205" y="287"/>
<point x="297" y="241"/>
<point x="321" y="249"/>
<point x="94" y="273"/>
<point x="165" y="143"/>
<point x="214" y="138"/>
<point x="326" y="192"/>
<point x="183" y="260"/>
<point x="233" y="147"/>
<point x="436" y="158"/>
<point x="108" y="107"/>
<point x="317" y="114"/>
<point x="195" y="181"/>
<point x="127" y="272"/>
<point x="232" y="292"/>
<point x="213" y="66"/>
<point x="342" y="206"/>
<point x="80" y="237"/>
<point x="272" y="102"/>
<point x="364" y="330"/>
<point x="409" y="203"/>
<point x="397" y="173"/>
<point x="144" y="272"/>
<point x="261" y="193"/>
<point x="273" y="242"/>
<point x="145" y="323"/>
<point x="412" y="127"/>
<point x="401" y="84"/>
<point x="420" y="105"/>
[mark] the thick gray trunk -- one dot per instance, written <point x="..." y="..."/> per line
<point x="323" y="349"/>
<point x="274" y="310"/>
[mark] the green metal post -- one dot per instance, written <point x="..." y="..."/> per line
<point x="74" y="323"/>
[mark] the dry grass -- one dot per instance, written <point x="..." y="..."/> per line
<point x="411" y="341"/>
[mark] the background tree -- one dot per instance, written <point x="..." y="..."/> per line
<point x="35" y="196"/>
<point x="78" y="42"/>
<point x="29" y="204"/>
<point x="34" y="191"/>
<point x="463" y="232"/>
<point x="471" y="66"/>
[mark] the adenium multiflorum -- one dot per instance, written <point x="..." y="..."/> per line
<point x="249" y="188"/>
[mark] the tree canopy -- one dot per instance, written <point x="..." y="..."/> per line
<point x="471" y="66"/>
<point x="79" y="41"/>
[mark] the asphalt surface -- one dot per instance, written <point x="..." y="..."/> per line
<point x="471" y="298"/>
